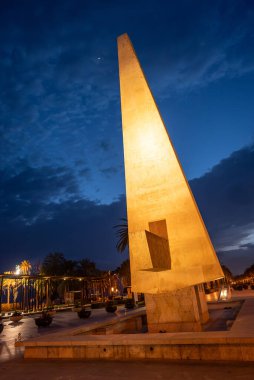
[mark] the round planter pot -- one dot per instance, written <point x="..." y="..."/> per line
<point x="51" y="313"/>
<point x="84" y="313"/>
<point x="77" y="309"/>
<point x="130" y="304"/>
<point x="111" y="309"/>
<point x="16" y="318"/>
<point x="43" y="322"/>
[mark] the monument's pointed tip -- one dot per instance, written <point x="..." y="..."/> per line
<point x="123" y="39"/>
<point x="124" y="35"/>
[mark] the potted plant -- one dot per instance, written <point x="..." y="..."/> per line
<point x="130" y="303"/>
<point x="84" y="313"/>
<point x="77" y="307"/>
<point x="110" y="307"/>
<point x="16" y="316"/>
<point x="50" y="310"/>
<point x="44" y="320"/>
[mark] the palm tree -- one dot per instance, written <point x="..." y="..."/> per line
<point x="122" y="235"/>
<point x="25" y="267"/>
<point x="8" y="284"/>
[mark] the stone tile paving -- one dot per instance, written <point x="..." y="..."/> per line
<point x="13" y="366"/>
<point x="71" y="370"/>
<point x="27" y="328"/>
<point x="222" y="319"/>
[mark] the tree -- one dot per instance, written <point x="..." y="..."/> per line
<point x="8" y="284"/>
<point x="227" y="273"/>
<point x="122" y="235"/>
<point x="249" y="272"/>
<point x="54" y="264"/>
<point x="88" y="268"/>
<point x="71" y="268"/>
<point x="25" y="267"/>
<point x="125" y="272"/>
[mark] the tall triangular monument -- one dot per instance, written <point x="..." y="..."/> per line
<point x="170" y="249"/>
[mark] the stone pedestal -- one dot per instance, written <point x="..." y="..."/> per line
<point x="183" y="310"/>
<point x="202" y="303"/>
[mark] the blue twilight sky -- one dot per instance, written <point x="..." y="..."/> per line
<point x="62" y="177"/>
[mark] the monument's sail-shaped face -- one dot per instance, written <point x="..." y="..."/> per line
<point x="169" y="245"/>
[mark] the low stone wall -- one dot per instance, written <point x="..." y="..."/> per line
<point x="130" y="325"/>
<point x="126" y="347"/>
<point x="236" y="344"/>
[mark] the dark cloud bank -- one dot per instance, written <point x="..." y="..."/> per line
<point x="43" y="211"/>
<point x="226" y="200"/>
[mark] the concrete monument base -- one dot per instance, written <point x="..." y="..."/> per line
<point x="183" y="310"/>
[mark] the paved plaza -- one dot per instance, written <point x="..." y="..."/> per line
<point x="26" y="327"/>
<point x="69" y="370"/>
<point x="12" y="364"/>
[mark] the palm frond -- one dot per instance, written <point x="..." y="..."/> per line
<point x="122" y="235"/>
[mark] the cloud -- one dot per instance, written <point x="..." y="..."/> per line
<point x="60" y="113"/>
<point x="105" y="145"/>
<point x="239" y="259"/>
<point x="109" y="172"/>
<point x="26" y="195"/>
<point x="81" y="229"/>
<point x="226" y="201"/>
<point x="42" y="210"/>
<point x="213" y="44"/>
<point x="230" y="183"/>
<point x="58" y="102"/>
<point x="53" y="92"/>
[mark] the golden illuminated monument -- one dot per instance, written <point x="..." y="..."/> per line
<point x="170" y="250"/>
